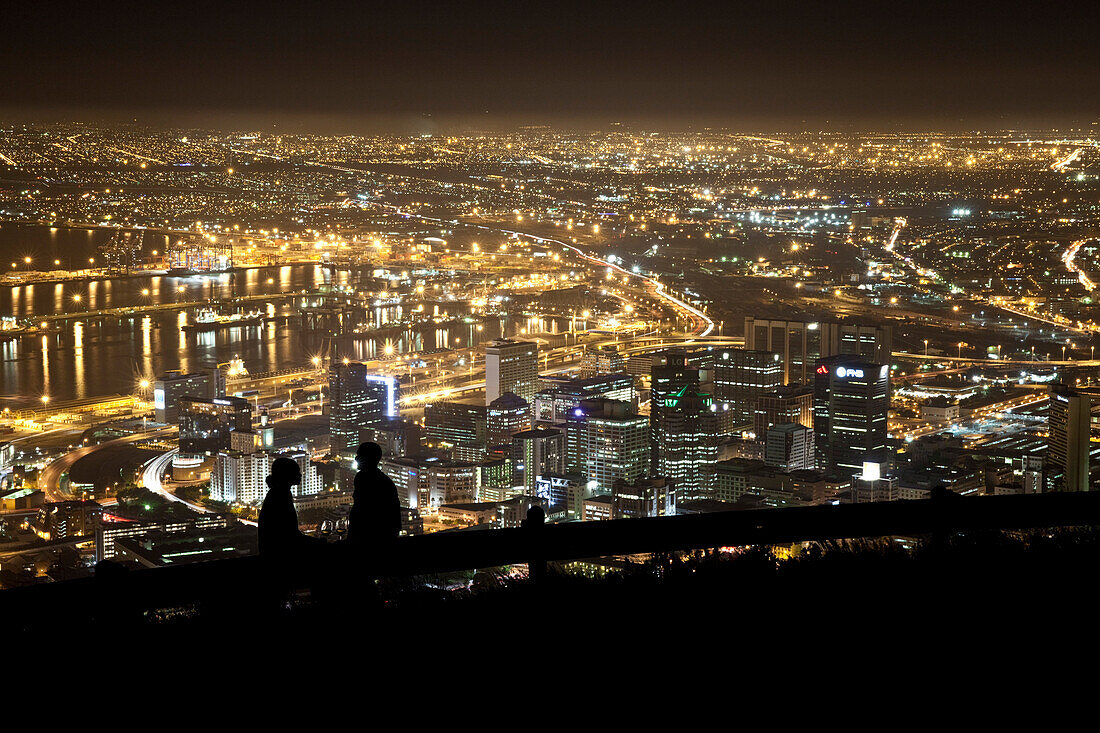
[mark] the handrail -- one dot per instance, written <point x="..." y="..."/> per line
<point x="452" y="551"/>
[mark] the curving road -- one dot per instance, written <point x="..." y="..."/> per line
<point x="50" y="479"/>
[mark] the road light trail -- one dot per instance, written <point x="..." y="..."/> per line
<point x="1068" y="258"/>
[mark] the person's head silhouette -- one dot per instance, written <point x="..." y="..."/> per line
<point x="284" y="471"/>
<point x="368" y="455"/>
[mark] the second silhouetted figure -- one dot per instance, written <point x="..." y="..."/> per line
<point x="376" y="514"/>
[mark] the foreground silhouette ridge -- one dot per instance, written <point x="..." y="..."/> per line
<point x="376" y="513"/>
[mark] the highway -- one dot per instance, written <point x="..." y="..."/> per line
<point x="703" y="322"/>
<point x="50" y="478"/>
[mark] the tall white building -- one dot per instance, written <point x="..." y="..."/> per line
<point x="241" y="478"/>
<point x="511" y="366"/>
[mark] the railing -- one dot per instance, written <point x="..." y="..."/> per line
<point x="225" y="580"/>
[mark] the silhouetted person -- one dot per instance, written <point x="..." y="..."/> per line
<point x="376" y="514"/>
<point x="279" y="535"/>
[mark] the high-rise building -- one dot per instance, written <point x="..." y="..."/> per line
<point x="742" y="376"/>
<point x="801" y="344"/>
<point x="358" y="399"/>
<point x="853" y="415"/>
<point x="822" y="379"/>
<point x="458" y="426"/>
<point x="511" y="366"/>
<point x="644" y="497"/>
<point x="205" y="425"/>
<point x="555" y="400"/>
<point x="173" y="385"/>
<point x="241" y="478"/>
<point x="602" y="360"/>
<point x="671" y="374"/>
<point x="1067" y="462"/>
<point x="789" y="447"/>
<point x="425" y="482"/>
<point x="504" y="416"/>
<point x="396" y="437"/>
<point x="606" y="441"/>
<point x="690" y="427"/>
<point x="536" y="453"/>
<point x="788" y="404"/>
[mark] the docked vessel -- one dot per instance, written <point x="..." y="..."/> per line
<point x="210" y="320"/>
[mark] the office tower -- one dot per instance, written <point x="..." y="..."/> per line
<point x="606" y="441"/>
<point x="801" y="344"/>
<point x="789" y="447"/>
<point x="206" y="425"/>
<point x="670" y="374"/>
<point x="821" y="381"/>
<point x="645" y="497"/>
<point x="560" y="396"/>
<point x="504" y="416"/>
<point x="787" y="404"/>
<point x="690" y="426"/>
<point x="856" y="400"/>
<point x="396" y="437"/>
<point x="495" y="480"/>
<point x="456" y="422"/>
<point x="536" y="453"/>
<point x="173" y="385"/>
<point x="358" y="399"/>
<point x="426" y="482"/>
<point x="601" y="360"/>
<point x="741" y="377"/>
<point x="511" y="366"/>
<point x="1067" y="461"/>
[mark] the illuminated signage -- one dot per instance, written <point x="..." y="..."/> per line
<point x="848" y="372"/>
<point x="158" y="399"/>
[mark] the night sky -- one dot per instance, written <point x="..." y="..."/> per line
<point x="353" y="66"/>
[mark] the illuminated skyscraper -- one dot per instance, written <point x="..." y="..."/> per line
<point x="789" y="447"/>
<point x="171" y="386"/>
<point x="358" y="399"/>
<point x="671" y="373"/>
<point x="788" y="404"/>
<point x="606" y="441"/>
<point x="511" y="366"/>
<point x="1067" y="462"/>
<point x="691" y="427"/>
<point x="857" y="400"/>
<point x="741" y="377"/>
<point x="801" y="344"/>
<point x="205" y="425"/>
<point x="536" y="453"/>
<point x="506" y="415"/>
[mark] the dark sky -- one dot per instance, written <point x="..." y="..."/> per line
<point x="354" y="65"/>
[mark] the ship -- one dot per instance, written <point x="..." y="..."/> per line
<point x="210" y="320"/>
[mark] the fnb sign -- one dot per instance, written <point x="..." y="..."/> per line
<point x="847" y="372"/>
